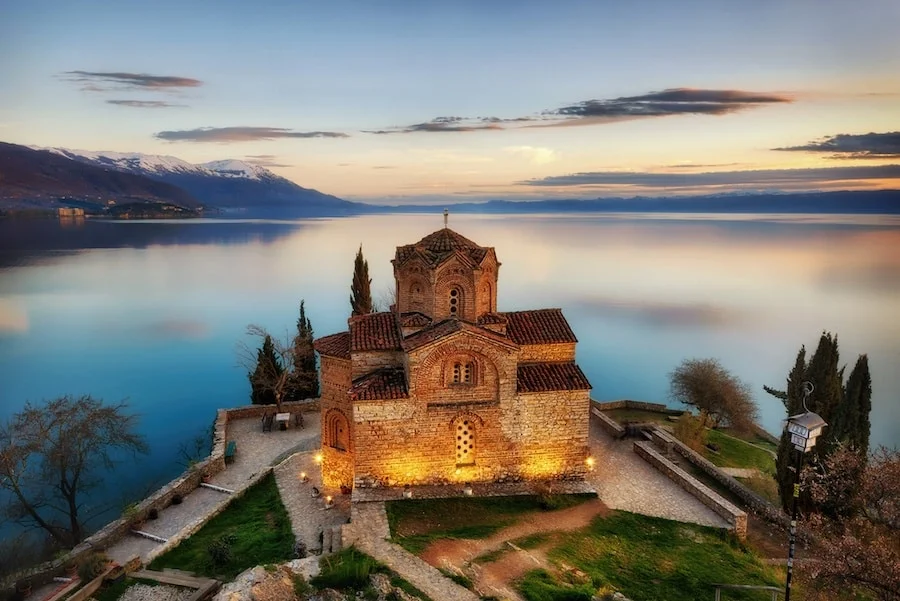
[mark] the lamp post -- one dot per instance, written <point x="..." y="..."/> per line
<point x="804" y="429"/>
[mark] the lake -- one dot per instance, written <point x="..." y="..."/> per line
<point x="152" y="311"/>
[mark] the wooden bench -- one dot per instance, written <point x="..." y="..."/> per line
<point x="230" y="451"/>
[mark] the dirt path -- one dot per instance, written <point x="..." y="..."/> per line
<point x="494" y="578"/>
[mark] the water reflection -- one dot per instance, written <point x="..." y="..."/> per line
<point x="152" y="311"/>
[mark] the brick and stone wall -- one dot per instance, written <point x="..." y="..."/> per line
<point x="365" y="362"/>
<point x="538" y="353"/>
<point x="337" y="463"/>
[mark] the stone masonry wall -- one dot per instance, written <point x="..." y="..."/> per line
<point x="732" y="514"/>
<point x="533" y="353"/>
<point x="552" y="430"/>
<point x="337" y="465"/>
<point x="368" y="361"/>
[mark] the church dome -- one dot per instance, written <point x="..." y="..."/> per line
<point x="435" y="248"/>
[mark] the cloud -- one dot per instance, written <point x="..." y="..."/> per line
<point x="674" y="101"/>
<point x="855" y="146"/>
<point x="240" y="134"/>
<point x="445" y="124"/>
<point x="101" y="81"/>
<point x="761" y="177"/>
<point x="144" y="104"/>
<point x="384" y="167"/>
<point x="534" y="154"/>
<point x="264" y="160"/>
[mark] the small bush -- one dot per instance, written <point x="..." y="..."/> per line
<point x="691" y="430"/>
<point x="301" y="586"/>
<point x="153" y="513"/>
<point x="177" y="499"/>
<point x="219" y="550"/>
<point x="348" y="569"/>
<point x="92" y="566"/>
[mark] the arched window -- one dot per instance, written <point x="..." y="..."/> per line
<point x="465" y="442"/>
<point x="455" y="302"/>
<point x="338" y="434"/>
<point x="463" y="372"/>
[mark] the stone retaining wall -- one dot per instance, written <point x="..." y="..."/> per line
<point x="609" y="425"/>
<point x="114" y="531"/>
<point x="759" y="505"/>
<point x="639" y="405"/>
<point x="732" y="514"/>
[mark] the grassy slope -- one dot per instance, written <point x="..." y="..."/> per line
<point x="735" y="453"/>
<point x="651" y="559"/>
<point x="414" y="524"/>
<point x="261" y="529"/>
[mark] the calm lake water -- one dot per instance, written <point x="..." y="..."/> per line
<point x="153" y="311"/>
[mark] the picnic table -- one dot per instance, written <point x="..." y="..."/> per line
<point x="283" y="420"/>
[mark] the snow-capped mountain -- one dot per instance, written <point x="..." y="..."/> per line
<point x="231" y="185"/>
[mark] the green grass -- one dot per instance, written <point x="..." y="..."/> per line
<point x="350" y="569"/>
<point x="416" y="523"/>
<point x="492" y="556"/>
<point x="253" y="530"/>
<point x="532" y="541"/>
<point x="651" y="559"/>
<point x="735" y="453"/>
<point x="117" y="589"/>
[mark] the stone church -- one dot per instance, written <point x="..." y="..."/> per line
<point x="444" y="388"/>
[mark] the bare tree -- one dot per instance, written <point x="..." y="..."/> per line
<point x="706" y="385"/>
<point x="860" y="534"/>
<point x="387" y="298"/>
<point x="270" y="367"/>
<point x="51" y="456"/>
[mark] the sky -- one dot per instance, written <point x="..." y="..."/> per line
<point x="411" y="101"/>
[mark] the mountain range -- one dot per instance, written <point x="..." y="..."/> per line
<point x="49" y="177"/>
<point x="46" y="178"/>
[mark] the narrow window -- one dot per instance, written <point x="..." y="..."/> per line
<point x="468" y="373"/>
<point x="465" y="443"/>
<point x="454" y="302"/>
<point x="457" y="369"/>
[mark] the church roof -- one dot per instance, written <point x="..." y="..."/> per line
<point x="447" y="327"/>
<point x="385" y="383"/>
<point x="541" y="326"/>
<point x="414" y="319"/>
<point x="439" y="246"/>
<point x="335" y="345"/>
<point x="547" y="377"/>
<point x="491" y="318"/>
<point x="374" y="332"/>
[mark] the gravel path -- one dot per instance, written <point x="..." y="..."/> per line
<point x="308" y="515"/>
<point x="625" y="481"/>
<point x="144" y="592"/>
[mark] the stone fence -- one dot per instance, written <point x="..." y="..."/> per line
<point x="728" y="511"/>
<point x="639" y="405"/>
<point x="162" y="498"/>
<point x="611" y="426"/>
<point x="755" y="502"/>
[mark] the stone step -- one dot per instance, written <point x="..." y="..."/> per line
<point x="173" y="579"/>
<point x="221" y="489"/>
<point x="152" y="537"/>
<point x="178" y="572"/>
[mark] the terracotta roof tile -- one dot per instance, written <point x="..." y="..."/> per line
<point x="446" y="328"/>
<point x="542" y="326"/>
<point x="335" y="345"/>
<point x="374" y="332"/>
<point x="546" y="377"/>
<point x="385" y="383"/>
<point x="439" y="246"/>
<point x="414" y="319"/>
<point x="491" y="318"/>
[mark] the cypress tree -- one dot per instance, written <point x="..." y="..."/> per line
<point x="792" y="398"/>
<point x="852" y="423"/>
<point x="267" y="370"/>
<point x="360" y="289"/>
<point x="305" y="377"/>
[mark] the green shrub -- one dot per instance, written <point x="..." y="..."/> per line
<point x="92" y="566"/>
<point x="347" y="569"/>
<point x="301" y="586"/>
<point x="691" y="430"/>
<point x="219" y="550"/>
<point x="539" y="585"/>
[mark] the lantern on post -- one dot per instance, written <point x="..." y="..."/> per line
<point x="804" y="429"/>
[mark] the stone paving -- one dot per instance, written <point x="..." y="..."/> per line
<point x="309" y="518"/>
<point x="369" y="531"/>
<point x="625" y="481"/>
<point x="256" y="450"/>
